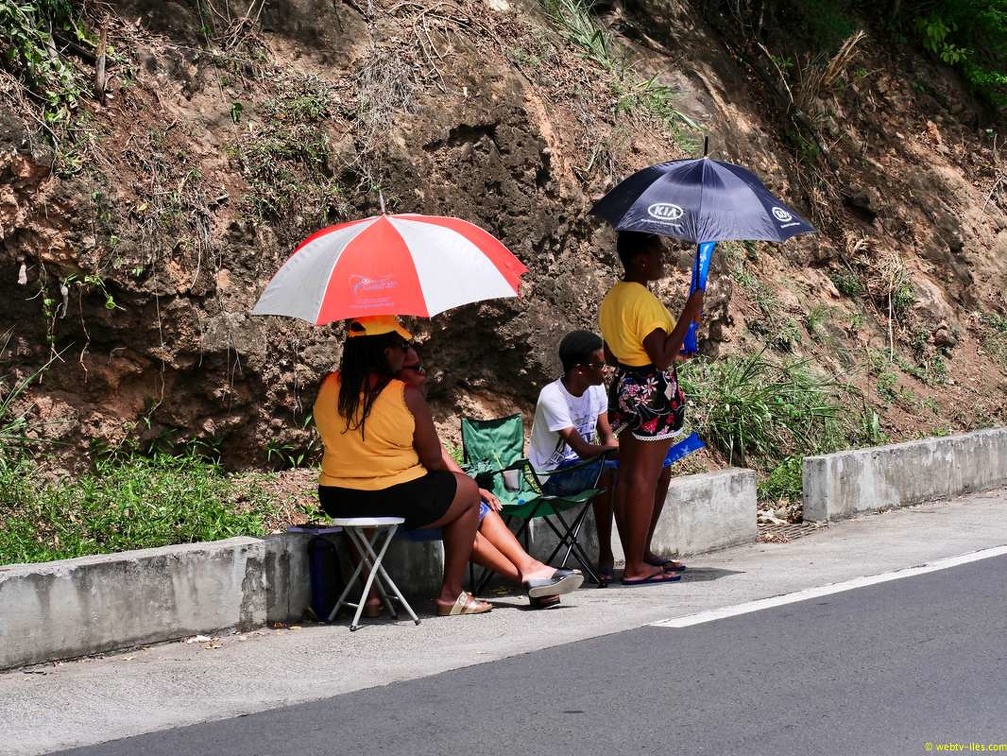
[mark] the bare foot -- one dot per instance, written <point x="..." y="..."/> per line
<point x="668" y="565"/>
<point x="634" y="576"/>
<point x="539" y="572"/>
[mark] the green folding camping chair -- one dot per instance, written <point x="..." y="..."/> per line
<point x="493" y="452"/>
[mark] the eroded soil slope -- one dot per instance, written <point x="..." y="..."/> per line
<point x="131" y="256"/>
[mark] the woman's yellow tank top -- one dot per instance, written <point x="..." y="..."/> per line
<point x="382" y="456"/>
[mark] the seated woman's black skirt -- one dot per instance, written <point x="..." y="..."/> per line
<point x="421" y="502"/>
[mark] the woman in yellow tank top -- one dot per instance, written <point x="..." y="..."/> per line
<point x="382" y="457"/>
<point x="643" y="341"/>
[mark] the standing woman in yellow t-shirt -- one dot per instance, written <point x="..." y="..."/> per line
<point x="382" y="457"/>
<point x="642" y="340"/>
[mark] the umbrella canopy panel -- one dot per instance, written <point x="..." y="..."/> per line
<point x="391" y="265"/>
<point x="699" y="200"/>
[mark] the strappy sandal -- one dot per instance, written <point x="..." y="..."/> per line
<point x="466" y="603"/>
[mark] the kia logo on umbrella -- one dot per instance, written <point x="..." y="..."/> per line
<point x="785" y="218"/>
<point x="665" y="212"/>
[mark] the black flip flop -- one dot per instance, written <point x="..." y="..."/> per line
<point x="660" y="577"/>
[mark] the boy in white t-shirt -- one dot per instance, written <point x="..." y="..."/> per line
<point x="571" y="424"/>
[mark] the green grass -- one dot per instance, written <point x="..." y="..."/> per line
<point x="132" y="504"/>
<point x="785" y="482"/>
<point x="285" y="153"/>
<point x="574" y="17"/>
<point x="847" y="283"/>
<point x="631" y="92"/>
<point x="754" y="411"/>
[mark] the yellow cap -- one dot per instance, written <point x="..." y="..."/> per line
<point x="377" y="325"/>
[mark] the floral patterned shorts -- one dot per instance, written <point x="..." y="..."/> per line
<point x="647" y="401"/>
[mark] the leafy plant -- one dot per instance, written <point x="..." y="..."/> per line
<point x="290" y="454"/>
<point x="868" y="432"/>
<point x="993" y="335"/>
<point x="749" y="407"/>
<point x="456" y="452"/>
<point x="658" y="100"/>
<point x="847" y="283"/>
<point x="31" y="53"/>
<point x="970" y="35"/>
<point x="14" y="427"/>
<point x="816" y="320"/>
<point x="285" y="157"/>
<point x="632" y="92"/>
<point x="574" y="16"/>
<point x="784" y="482"/>
<point x="826" y="23"/>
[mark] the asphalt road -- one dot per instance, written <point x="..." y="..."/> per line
<point x="883" y="669"/>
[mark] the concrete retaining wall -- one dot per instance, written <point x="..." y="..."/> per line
<point x="83" y="606"/>
<point x="76" y="607"/>
<point x="701" y="513"/>
<point x="868" y="480"/>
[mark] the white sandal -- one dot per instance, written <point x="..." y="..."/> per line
<point x="466" y="603"/>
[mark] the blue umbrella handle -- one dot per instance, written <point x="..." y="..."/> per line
<point x="700" y="270"/>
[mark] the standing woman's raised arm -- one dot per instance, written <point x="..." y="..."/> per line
<point x="663" y="348"/>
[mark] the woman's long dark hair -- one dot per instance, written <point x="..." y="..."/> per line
<point x="363" y="356"/>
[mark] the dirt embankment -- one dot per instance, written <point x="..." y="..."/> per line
<point x="232" y="132"/>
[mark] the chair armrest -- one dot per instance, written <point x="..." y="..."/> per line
<point x="593" y="465"/>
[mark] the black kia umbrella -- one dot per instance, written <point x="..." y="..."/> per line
<point x="703" y="201"/>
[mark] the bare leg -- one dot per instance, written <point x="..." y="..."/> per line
<point x="489" y="556"/>
<point x="660" y="494"/>
<point x="639" y="467"/>
<point x="603" y="505"/>
<point x="458" y="529"/>
<point x="496" y="541"/>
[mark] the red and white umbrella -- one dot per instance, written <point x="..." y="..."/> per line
<point x="391" y="265"/>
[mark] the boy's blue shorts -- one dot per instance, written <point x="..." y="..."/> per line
<point x="567" y="483"/>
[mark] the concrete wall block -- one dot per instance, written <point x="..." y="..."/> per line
<point x="542" y="540"/>
<point x="82" y="606"/>
<point x="816" y="487"/>
<point x="985" y="468"/>
<point x="701" y="513"/>
<point x="714" y="511"/>
<point x="868" y="480"/>
<point x="288" y="581"/>
<point x="416" y="567"/>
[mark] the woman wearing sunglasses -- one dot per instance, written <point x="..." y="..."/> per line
<point x="496" y="547"/>
<point x="382" y="457"/>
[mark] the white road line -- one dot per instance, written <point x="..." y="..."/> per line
<point x="825" y="590"/>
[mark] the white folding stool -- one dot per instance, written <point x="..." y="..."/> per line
<point x="354" y="528"/>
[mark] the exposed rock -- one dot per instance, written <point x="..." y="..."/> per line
<point x="230" y="139"/>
